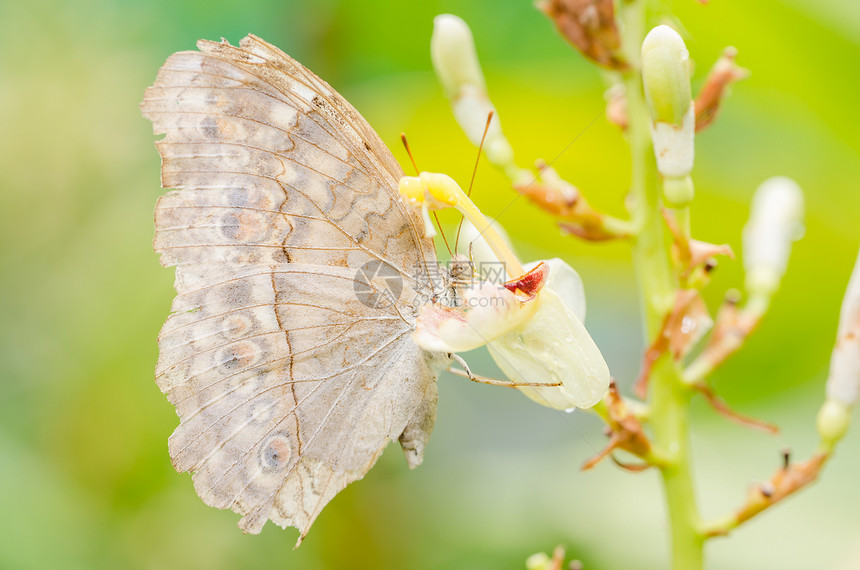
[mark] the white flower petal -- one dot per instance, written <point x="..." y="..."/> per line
<point x="489" y="311"/>
<point x="674" y="146"/>
<point x="553" y="346"/>
<point x="567" y="284"/>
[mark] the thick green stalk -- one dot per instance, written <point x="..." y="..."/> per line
<point x="670" y="427"/>
<point x="669" y="398"/>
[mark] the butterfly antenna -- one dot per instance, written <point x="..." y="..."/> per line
<point x="442" y="233"/>
<point x="435" y="215"/>
<point x="474" y="172"/>
<point x="409" y="152"/>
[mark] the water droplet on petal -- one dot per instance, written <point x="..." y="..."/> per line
<point x="537" y="347"/>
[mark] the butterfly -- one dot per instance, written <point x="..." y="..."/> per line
<point x="284" y="216"/>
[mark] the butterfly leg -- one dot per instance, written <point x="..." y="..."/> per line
<point x="467" y="373"/>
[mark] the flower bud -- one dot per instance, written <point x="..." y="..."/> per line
<point x="452" y="49"/>
<point x="455" y="60"/>
<point x="666" y="80"/>
<point x="666" y="75"/>
<point x="539" y="561"/>
<point x="843" y="383"/>
<point x="832" y="421"/>
<point x="775" y="222"/>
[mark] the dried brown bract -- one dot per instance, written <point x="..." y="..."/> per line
<point x="616" y="106"/>
<point x="724" y="73"/>
<point x="788" y="479"/>
<point x="683" y="327"/>
<point x="733" y="325"/>
<point x="590" y="26"/>
<point x="724" y="410"/>
<point x="695" y="259"/>
<point x="625" y="432"/>
<point x="564" y="201"/>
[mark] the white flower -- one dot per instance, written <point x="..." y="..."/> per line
<point x="532" y="323"/>
<point x="552" y="345"/>
<point x="775" y="222"/>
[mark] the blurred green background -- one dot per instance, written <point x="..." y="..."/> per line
<point x="85" y="478"/>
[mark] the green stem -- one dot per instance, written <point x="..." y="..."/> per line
<point x="670" y="425"/>
<point x="668" y="397"/>
<point x="617" y="226"/>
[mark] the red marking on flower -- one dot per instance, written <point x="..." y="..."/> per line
<point x="531" y="282"/>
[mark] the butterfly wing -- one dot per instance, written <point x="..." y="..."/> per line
<point x="288" y="383"/>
